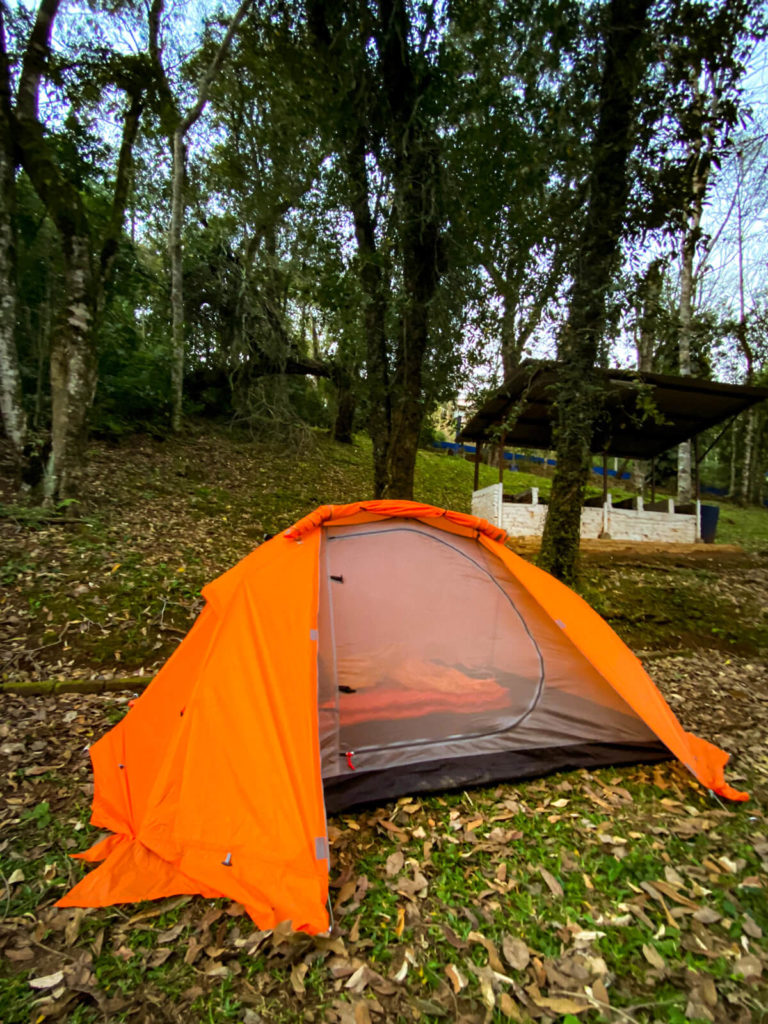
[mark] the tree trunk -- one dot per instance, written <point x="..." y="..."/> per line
<point x="579" y="399"/>
<point x="734" y="457"/>
<point x="374" y="309"/>
<point x="757" y="477"/>
<point x="578" y="390"/>
<point x="179" y="159"/>
<point x="11" y="406"/>
<point x="646" y="336"/>
<point x="346" y="406"/>
<point x="181" y="125"/>
<point x="417" y="180"/>
<point x="42" y="349"/>
<point x="511" y="344"/>
<point x="73" y="373"/>
<point x="700" y="159"/>
<point x="743" y="493"/>
<point x="407" y="415"/>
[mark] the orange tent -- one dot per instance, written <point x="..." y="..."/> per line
<point x="370" y="650"/>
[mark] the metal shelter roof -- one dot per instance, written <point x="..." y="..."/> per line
<point x="643" y="415"/>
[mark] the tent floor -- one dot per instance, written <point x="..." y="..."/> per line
<point x="359" y="788"/>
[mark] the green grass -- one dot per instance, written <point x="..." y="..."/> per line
<point x="747" y="527"/>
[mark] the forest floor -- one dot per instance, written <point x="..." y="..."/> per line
<point x="627" y="894"/>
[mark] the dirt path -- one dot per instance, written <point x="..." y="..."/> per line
<point x="617" y="552"/>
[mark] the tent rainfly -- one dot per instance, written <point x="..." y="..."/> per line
<point x="370" y="650"/>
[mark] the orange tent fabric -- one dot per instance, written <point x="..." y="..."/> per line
<point x="212" y="782"/>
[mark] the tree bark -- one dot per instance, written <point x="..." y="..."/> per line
<point x="11" y="406"/>
<point x="578" y="389"/>
<point x="179" y="161"/>
<point x="650" y="294"/>
<point x="73" y="372"/>
<point x="346" y="406"/>
<point x="747" y="458"/>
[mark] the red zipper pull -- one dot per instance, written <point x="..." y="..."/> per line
<point x="349" y="755"/>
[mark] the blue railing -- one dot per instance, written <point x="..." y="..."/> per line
<point x="470" y="449"/>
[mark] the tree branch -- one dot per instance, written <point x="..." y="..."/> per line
<point x="35" y="59"/>
<point x="5" y="75"/>
<point x="205" y="83"/>
<point x="169" y="110"/>
<point x="122" y="183"/>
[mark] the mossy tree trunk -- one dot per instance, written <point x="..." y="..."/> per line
<point x="578" y="389"/>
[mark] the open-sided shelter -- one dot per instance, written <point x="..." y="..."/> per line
<point x="370" y="650"/>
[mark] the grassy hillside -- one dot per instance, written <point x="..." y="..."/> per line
<point x="113" y="592"/>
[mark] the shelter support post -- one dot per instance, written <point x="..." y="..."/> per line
<point x="478" y="457"/>
<point x="605" y="477"/>
<point x="696" y="478"/>
<point x="501" y="459"/>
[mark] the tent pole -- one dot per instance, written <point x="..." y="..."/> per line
<point x="501" y="458"/>
<point x="696" y="480"/>
<point x="478" y="453"/>
<point x="605" y="478"/>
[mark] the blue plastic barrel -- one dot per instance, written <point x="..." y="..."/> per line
<point x="709" y="516"/>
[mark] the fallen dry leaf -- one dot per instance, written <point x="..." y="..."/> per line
<point x="552" y="883"/>
<point x="749" y="966"/>
<point x="395" y="862"/>
<point x="456" y="978"/>
<point x="48" y="981"/>
<point x="561" y="1004"/>
<point x="298" y="973"/>
<point x="516" y="952"/>
<point x="654" y="957"/>
<point x="493" y="954"/>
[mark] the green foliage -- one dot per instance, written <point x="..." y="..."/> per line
<point x="39" y="815"/>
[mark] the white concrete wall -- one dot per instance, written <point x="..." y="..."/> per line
<point x="523" y="520"/>
<point x="661" y="527"/>
<point x="487" y="503"/>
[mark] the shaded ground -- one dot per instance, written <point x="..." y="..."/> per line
<point x="624" y="895"/>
